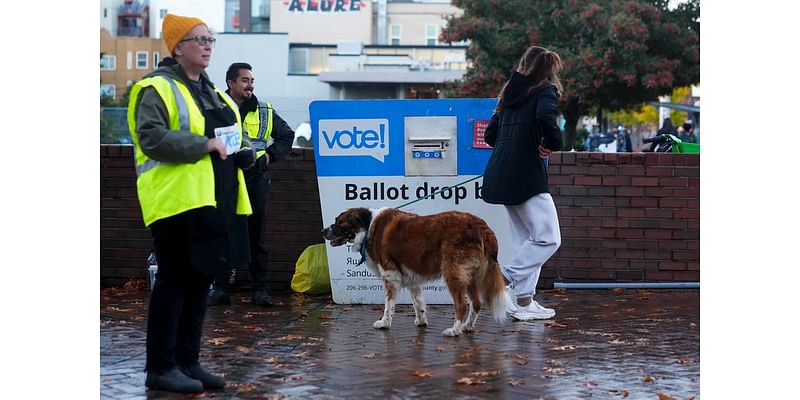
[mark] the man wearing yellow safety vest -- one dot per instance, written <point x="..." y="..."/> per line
<point x="189" y="153"/>
<point x="272" y="138"/>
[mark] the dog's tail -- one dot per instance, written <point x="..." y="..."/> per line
<point x="494" y="287"/>
<point x="494" y="292"/>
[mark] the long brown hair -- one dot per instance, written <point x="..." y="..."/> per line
<point x="541" y="66"/>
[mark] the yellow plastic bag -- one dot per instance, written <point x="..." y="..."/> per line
<point x="311" y="271"/>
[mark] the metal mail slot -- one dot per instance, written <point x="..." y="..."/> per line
<point x="431" y="146"/>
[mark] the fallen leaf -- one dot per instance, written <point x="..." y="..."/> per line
<point x="291" y="337"/>
<point x="370" y="355"/>
<point x="619" y="392"/>
<point x="560" y="291"/>
<point x="440" y="349"/>
<point x="590" y="384"/>
<point x="218" y="341"/>
<point x="326" y="316"/>
<point x="485" y="373"/>
<point x="355" y="336"/>
<point x="617" y="290"/>
<point x="648" y="379"/>
<point x="272" y="360"/>
<point x="554" y="325"/>
<point x="565" y="347"/>
<point x="458" y="365"/>
<point x="516" y="382"/>
<point x="253" y="328"/>
<point x="555" y="370"/>
<point x="520" y="362"/>
<point x="422" y="374"/>
<point x="521" y="356"/>
<point x="470" y="381"/>
<point x="466" y="355"/>
<point x="662" y="396"/>
<point x="245" y="387"/>
<point x="330" y="307"/>
<point x="684" y="360"/>
<point x="243" y="349"/>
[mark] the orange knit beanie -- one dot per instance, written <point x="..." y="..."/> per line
<point x="176" y="27"/>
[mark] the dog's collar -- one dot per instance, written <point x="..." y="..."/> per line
<point x="363" y="249"/>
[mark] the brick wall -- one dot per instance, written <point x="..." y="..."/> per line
<point x="293" y="223"/>
<point x="624" y="217"/>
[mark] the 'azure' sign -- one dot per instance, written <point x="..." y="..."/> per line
<point x="324" y="5"/>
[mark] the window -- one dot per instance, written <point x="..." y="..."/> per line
<point x="141" y="60"/>
<point x="108" y="63"/>
<point x="109" y="91"/>
<point x="156" y="59"/>
<point x="431" y="35"/>
<point x="394" y="34"/>
<point x="130" y="59"/>
<point x="298" y="61"/>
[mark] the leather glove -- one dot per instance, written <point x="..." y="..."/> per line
<point x="245" y="157"/>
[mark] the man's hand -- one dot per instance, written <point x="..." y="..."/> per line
<point x="216" y="145"/>
<point x="245" y="158"/>
<point x="544" y="151"/>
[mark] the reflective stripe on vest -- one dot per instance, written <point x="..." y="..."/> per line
<point x="258" y="124"/>
<point x="264" y="120"/>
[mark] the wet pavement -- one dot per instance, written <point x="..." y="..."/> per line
<point x="602" y="344"/>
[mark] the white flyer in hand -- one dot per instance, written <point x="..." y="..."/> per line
<point x="230" y="136"/>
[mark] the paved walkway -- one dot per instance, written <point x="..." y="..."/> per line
<point x="602" y="344"/>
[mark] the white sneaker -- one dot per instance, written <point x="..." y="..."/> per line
<point x="532" y="311"/>
<point x="511" y="303"/>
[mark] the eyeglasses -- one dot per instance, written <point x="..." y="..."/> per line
<point x="202" y="40"/>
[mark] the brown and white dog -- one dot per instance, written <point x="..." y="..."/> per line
<point x="407" y="250"/>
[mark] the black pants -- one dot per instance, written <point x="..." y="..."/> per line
<point x="257" y="190"/>
<point x="178" y="301"/>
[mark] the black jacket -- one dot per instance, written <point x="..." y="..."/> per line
<point x="515" y="173"/>
<point x="282" y="133"/>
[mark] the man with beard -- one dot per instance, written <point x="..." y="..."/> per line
<point x="272" y="139"/>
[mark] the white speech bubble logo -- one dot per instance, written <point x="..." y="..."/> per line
<point x="354" y="137"/>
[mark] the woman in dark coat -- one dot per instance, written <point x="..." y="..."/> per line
<point x="523" y="132"/>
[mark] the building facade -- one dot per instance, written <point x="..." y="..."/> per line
<point x="126" y="59"/>
<point x="301" y="50"/>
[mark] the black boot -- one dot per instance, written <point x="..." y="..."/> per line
<point x="173" y="381"/>
<point x="218" y="296"/>
<point x="261" y="298"/>
<point x="209" y="380"/>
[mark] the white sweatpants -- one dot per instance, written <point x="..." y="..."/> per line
<point x="535" y="236"/>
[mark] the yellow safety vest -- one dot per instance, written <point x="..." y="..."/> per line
<point x="258" y="124"/>
<point x="166" y="189"/>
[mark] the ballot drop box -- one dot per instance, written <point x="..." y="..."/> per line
<point x="389" y="153"/>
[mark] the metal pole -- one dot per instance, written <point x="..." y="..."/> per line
<point x="627" y="285"/>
